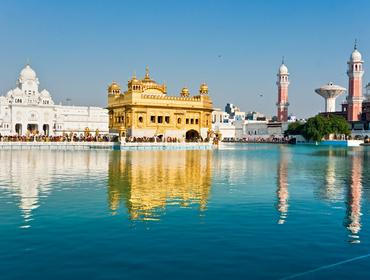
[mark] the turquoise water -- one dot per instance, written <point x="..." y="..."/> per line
<point x="242" y="212"/>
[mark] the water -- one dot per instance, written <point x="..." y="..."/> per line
<point x="243" y="212"/>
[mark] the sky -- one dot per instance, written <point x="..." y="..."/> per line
<point x="78" y="47"/>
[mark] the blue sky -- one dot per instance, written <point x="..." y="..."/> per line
<point x="78" y="47"/>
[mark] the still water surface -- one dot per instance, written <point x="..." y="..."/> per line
<point x="242" y="212"/>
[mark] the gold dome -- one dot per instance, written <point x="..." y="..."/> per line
<point x="114" y="88"/>
<point x="203" y="88"/>
<point x="185" y="92"/>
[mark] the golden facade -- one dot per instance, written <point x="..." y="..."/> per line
<point x="146" y="184"/>
<point x="145" y="110"/>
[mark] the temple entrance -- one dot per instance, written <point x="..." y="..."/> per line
<point x="32" y="128"/>
<point x="45" y="129"/>
<point x="18" y="128"/>
<point x="192" y="136"/>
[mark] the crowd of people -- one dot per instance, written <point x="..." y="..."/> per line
<point x="61" y="138"/>
<point x="160" y="139"/>
<point x="272" y="139"/>
<point x="144" y="139"/>
<point x="109" y="138"/>
<point x="90" y="138"/>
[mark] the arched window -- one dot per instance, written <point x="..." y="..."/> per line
<point x="179" y="120"/>
<point x="140" y="119"/>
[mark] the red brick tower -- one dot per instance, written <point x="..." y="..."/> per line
<point x="355" y="74"/>
<point x="282" y="83"/>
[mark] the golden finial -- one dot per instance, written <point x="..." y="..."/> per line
<point x="147" y="72"/>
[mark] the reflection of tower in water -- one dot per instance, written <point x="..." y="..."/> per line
<point x="149" y="181"/>
<point x="353" y="217"/>
<point x="282" y="191"/>
<point x="330" y="176"/>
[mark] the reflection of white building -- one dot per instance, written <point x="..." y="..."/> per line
<point x="30" y="175"/>
<point x="25" y="109"/>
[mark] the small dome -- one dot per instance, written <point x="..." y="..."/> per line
<point x="185" y="92"/>
<point x="114" y="87"/>
<point x="28" y="73"/>
<point x="356" y="56"/>
<point x="283" y="69"/>
<point x="203" y="87"/>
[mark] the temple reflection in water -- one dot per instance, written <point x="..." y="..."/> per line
<point x="147" y="182"/>
<point x="282" y="191"/>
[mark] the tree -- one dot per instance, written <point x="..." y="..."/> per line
<point x="294" y="128"/>
<point x="338" y="125"/>
<point x="316" y="128"/>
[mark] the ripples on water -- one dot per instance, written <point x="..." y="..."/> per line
<point x="256" y="211"/>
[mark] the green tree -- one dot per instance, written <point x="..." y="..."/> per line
<point x="338" y="125"/>
<point x="316" y="128"/>
<point x="294" y="128"/>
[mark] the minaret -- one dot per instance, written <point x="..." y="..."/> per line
<point x="354" y="73"/>
<point x="282" y="83"/>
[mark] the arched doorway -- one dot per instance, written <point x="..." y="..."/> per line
<point x="18" y="128"/>
<point x="32" y="128"/>
<point x="45" y="129"/>
<point x="192" y="136"/>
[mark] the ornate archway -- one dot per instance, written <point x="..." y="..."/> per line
<point x="192" y="136"/>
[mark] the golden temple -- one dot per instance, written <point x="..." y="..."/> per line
<point x="145" y="110"/>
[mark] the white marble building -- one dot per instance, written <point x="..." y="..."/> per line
<point x="25" y="109"/>
<point x="240" y="127"/>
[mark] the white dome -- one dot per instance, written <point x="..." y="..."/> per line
<point x="27" y="74"/>
<point x="356" y="56"/>
<point x="283" y="69"/>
